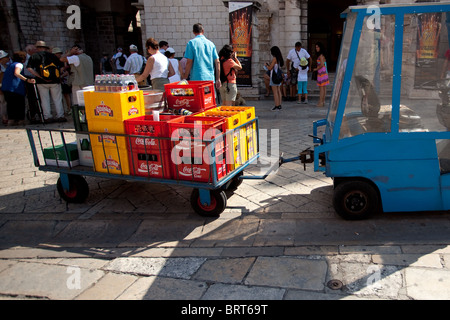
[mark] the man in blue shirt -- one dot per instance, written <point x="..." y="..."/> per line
<point x="201" y="55"/>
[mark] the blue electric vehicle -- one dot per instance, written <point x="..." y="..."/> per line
<point x="386" y="139"/>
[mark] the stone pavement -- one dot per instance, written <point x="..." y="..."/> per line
<point x="278" y="239"/>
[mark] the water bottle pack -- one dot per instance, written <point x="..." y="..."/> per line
<point x="115" y="83"/>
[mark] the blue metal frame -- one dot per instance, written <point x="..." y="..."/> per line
<point x="204" y="187"/>
<point x="408" y="171"/>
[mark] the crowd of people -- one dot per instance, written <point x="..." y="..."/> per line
<point x="43" y="75"/>
<point x="40" y="76"/>
<point x="299" y="64"/>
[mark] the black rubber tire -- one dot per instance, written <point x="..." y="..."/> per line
<point x="355" y="200"/>
<point x="79" y="189"/>
<point x="217" y="206"/>
<point x="235" y="183"/>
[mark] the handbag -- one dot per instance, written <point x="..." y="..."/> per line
<point x="314" y="76"/>
<point x="294" y="71"/>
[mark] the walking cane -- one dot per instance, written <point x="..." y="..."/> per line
<point x="38" y="99"/>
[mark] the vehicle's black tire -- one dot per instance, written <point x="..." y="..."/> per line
<point x="217" y="206"/>
<point x="355" y="200"/>
<point x="78" y="192"/>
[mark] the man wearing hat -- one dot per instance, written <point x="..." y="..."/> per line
<point x="4" y="62"/>
<point x="47" y="68"/>
<point x="135" y="63"/>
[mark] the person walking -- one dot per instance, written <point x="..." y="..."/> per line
<point x="158" y="66"/>
<point x="13" y="87"/>
<point x="276" y="64"/>
<point x="202" y="58"/>
<point x="229" y="65"/>
<point x="322" y="73"/>
<point x="47" y="68"/>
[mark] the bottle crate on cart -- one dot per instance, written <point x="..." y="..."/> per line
<point x="150" y="151"/>
<point x="109" y="106"/>
<point x="194" y="96"/>
<point x="248" y="116"/>
<point x="84" y="150"/>
<point x="62" y="155"/>
<point x="150" y="163"/>
<point x="236" y="153"/>
<point x="108" y="130"/>
<point x="153" y="134"/>
<point x="195" y="140"/>
<point x="112" y="160"/>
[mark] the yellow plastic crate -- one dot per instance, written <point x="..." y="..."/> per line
<point x="109" y="140"/>
<point x="110" y="106"/>
<point x="111" y="160"/>
<point x="251" y="136"/>
<point x="236" y="140"/>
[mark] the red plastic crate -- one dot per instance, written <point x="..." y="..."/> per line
<point x="191" y="145"/>
<point x="150" y="163"/>
<point x="194" y="96"/>
<point x="146" y="127"/>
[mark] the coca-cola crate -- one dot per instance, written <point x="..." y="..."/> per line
<point x="194" y="96"/>
<point x="150" y="163"/>
<point x="154" y="135"/>
<point x="195" y="140"/>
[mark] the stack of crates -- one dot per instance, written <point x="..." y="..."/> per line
<point x="105" y="114"/>
<point x="194" y="96"/>
<point x="149" y="146"/>
<point x="198" y="151"/>
<point x="242" y="142"/>
<point x="83" y="140"/>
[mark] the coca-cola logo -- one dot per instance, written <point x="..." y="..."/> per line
<point x="179" y="103"/>
<point x="187" y="171"/>
<point x="152" y="169"/>
<point x="103" y="110"/>
<point x="145" y="141"/>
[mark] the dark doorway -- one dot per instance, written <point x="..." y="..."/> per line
<point x="326" y="25"/>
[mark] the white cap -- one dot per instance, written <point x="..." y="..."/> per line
<point x="133" y="47"/>
<point x="170" y="49"/>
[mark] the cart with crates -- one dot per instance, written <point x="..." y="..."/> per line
<point x="116" y="138"/>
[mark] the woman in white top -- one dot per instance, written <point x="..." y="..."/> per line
<point x="158" y="66"/>
<point x="170" y="54"/>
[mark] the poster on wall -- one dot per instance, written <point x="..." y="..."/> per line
<point x="427" y="53"/>
<point x="241" y="38"/>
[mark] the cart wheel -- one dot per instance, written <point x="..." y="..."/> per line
<point x="235" y="183"/>
<point x="78" y="192"/>
<point x="355" y="200"/>
<point x="217" y="206"/>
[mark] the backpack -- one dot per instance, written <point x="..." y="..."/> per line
<point x="49" y="72"/>
<point x="122" y="60"/>
<point x="277" y="76"/>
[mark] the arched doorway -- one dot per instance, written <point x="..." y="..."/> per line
<point x="326" y="26"/>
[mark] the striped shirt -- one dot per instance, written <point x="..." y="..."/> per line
<point x="134" y="63"/>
